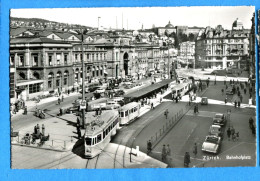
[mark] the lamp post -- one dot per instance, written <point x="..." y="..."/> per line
<point x="83" y="80"/>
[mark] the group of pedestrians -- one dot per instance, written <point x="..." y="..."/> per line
<point x="166" y="152"/>
<point x="37" y="130"/>
<point x="231" y="133"/>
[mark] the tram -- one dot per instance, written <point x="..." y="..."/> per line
<point x="181" y="88"/>
<point x="99" y="130"/>
<point x="129" y="112"/>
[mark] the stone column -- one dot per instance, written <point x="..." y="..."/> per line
<point x="27" y="57"/>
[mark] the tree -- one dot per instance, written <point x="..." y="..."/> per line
<point x="191" y="37"/>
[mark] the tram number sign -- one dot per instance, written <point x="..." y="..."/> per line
<point x="83" y="104"/>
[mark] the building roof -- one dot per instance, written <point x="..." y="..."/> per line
<point x="17" y="31"/>
<point x="35" y="40"/>
<point x="169" y="25"/>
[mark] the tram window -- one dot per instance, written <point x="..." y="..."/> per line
<point x="99" y="138"/>
<point x="95" y="140"/>
<point x="104" y="134"/>
<point x="122" y="114"/>
<point x="126" y="113"/>
<point x="88" y="141"/>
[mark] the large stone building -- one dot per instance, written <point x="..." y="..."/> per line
<point x="43" y="65"/>
<point x="219" y="48"/>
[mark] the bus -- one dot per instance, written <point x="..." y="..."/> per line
<point x="99" y="130"/>
<point x="129" y="112"/>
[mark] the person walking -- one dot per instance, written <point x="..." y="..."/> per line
<point x="152" y="106"/>
<point x="222" y="91"/>
<point x="78" y="131"/>
<point x="235" y="103"/>
<point x="245" y="90"/>
<point x="238" y="104"/>
<point x="164" y="153"/>
<point x="149" y="147"/>
<point x="253" y="129"/>
<point x="228" y="133"/>
<point x="186" y="159"/>
<point x="58" y="101"/>
<point x="38" y="129"/>
<point x="25" y="110"/>
<point x="226" y="100"/>
<point x="195" y="149"/>
<point x="251" y="121"/>
<point x="168" y="150"/>
<point x="35" y="129"/>
<point x="43" y="130"/>
<point x="232" y="132"/>
<point x="241" y="98"/>
<point x="166" y="112"/>
<point x="62" y="98"/>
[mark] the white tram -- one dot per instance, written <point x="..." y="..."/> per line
<point x="129" y="112"/>
<point x="181" y="88"/>
<point x="99" y="131"/>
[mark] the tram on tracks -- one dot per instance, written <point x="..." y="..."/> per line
<point x="129" y="112"/>
<point x="182" y="88"/>
<point x="99" y="130"/>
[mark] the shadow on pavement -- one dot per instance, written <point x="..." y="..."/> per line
<point x="78" y="148"/>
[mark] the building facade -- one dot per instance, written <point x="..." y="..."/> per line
<point x="186" y="53"/>
<point x="218" y="48"/>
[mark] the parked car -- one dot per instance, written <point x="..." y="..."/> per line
<point x="211" y="144"/>
<point x="204" y="101"/>
<point x="100" y="90"/>
<point x="92" y="89"/>
<point x="112" y="105"/>
<point x="229" y="91"/>
<point x="216" y="130"/>
<point x="219" y="119"/>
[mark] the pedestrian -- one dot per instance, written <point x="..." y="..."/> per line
<point x="245" y="90"/>
<point x="62" y="98"/>
<point x="195" y="149"/>
<point x="228" y="133"/>
<point x="230" y="81"/>
<point x="238" y="93"/>
<point x="166" y="113"/>
<point x="149" y="147"/>
<point x="222" y="90"/>
<point x="38" y="129"/>
<point x="164" y="153"/>
<point x="226" y="100"/>
<point x="224" y="82"/>
<point x="238" y="104"/>
<point x="78" y="131"/>
<point x="232" y="132"/>
<point x="176" y="99"/>
<point x="58" y="101"/>
<point x="152" y="106"/>
<point x="251" y="121"/>
<point x="35" y="129"/>
<point x="68" y="92"/>
<point x="77" y="89"/>
<point x="25" y="110"/>
<point x="186" y="159"/>
<point x="235" y="103"/>
<point x="195" y="109"/>
<point x="43" y="130"/>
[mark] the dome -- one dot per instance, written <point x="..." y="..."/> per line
<point x="169" y="25"/>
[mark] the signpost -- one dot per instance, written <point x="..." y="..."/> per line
<point x="83" y="105"/>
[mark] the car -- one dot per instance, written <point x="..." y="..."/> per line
<point x="119" y="100"/>
<point x="100" y="90"/>
<point x="119" y="93"/>
<point x="211" y="144"/>
<point x="93" y="89"/>
<point x="112" y="105"/>
<point x="219" y="119"/>
<point x="229" y="91"/>
<point x="204" y="101"/>
<point x="216" y="130"/>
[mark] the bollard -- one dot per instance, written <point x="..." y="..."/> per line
<point x="172" y="120"/>
<point x="160" y="132"/>
<point x="155" y="136"/>
<point x="51" y="142"/>
<point x="64" y="145"/>
<point x="163" y="128"/>
<point x="166" y="125"/>
<point x="175" y="117"/>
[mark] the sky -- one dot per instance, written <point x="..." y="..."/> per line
<point x="134" y="18"/>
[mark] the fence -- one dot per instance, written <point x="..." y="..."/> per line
<point x="169" y="125"/>
<point x="54" y="144"/>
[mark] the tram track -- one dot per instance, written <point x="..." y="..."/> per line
<point x="116" y="154"/>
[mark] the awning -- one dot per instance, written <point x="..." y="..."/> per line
<point x="28" y="82"/>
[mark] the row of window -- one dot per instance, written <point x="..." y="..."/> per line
<point x="58" y="82"/>
<point x="92" y="57"/>
<point x="128" y="112"/>
<point x="34" y="88"/>
<point x="98" y="138"/>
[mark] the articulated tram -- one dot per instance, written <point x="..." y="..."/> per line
<point x="99" y="130"/>
<point x="129" y="112"/>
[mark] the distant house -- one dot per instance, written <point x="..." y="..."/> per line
<point x="18" y="32"/>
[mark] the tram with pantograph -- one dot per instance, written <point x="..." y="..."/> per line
<point x="129" y="112"/>
<point x="99" y="130"/>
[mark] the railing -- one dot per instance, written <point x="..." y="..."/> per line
<point x="54" y="144"/>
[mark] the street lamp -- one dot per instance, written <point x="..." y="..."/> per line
<point x="83" y="80"/>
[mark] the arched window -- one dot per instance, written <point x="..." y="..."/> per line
<point x="36" y="75"/>
<point x="58" y="79"/>
<point x="66" y="77"/>
<point x="22" y="76"/>
<point x="50" y="80"/>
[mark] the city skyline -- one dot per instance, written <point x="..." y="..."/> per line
<point x="132" y="18"/>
